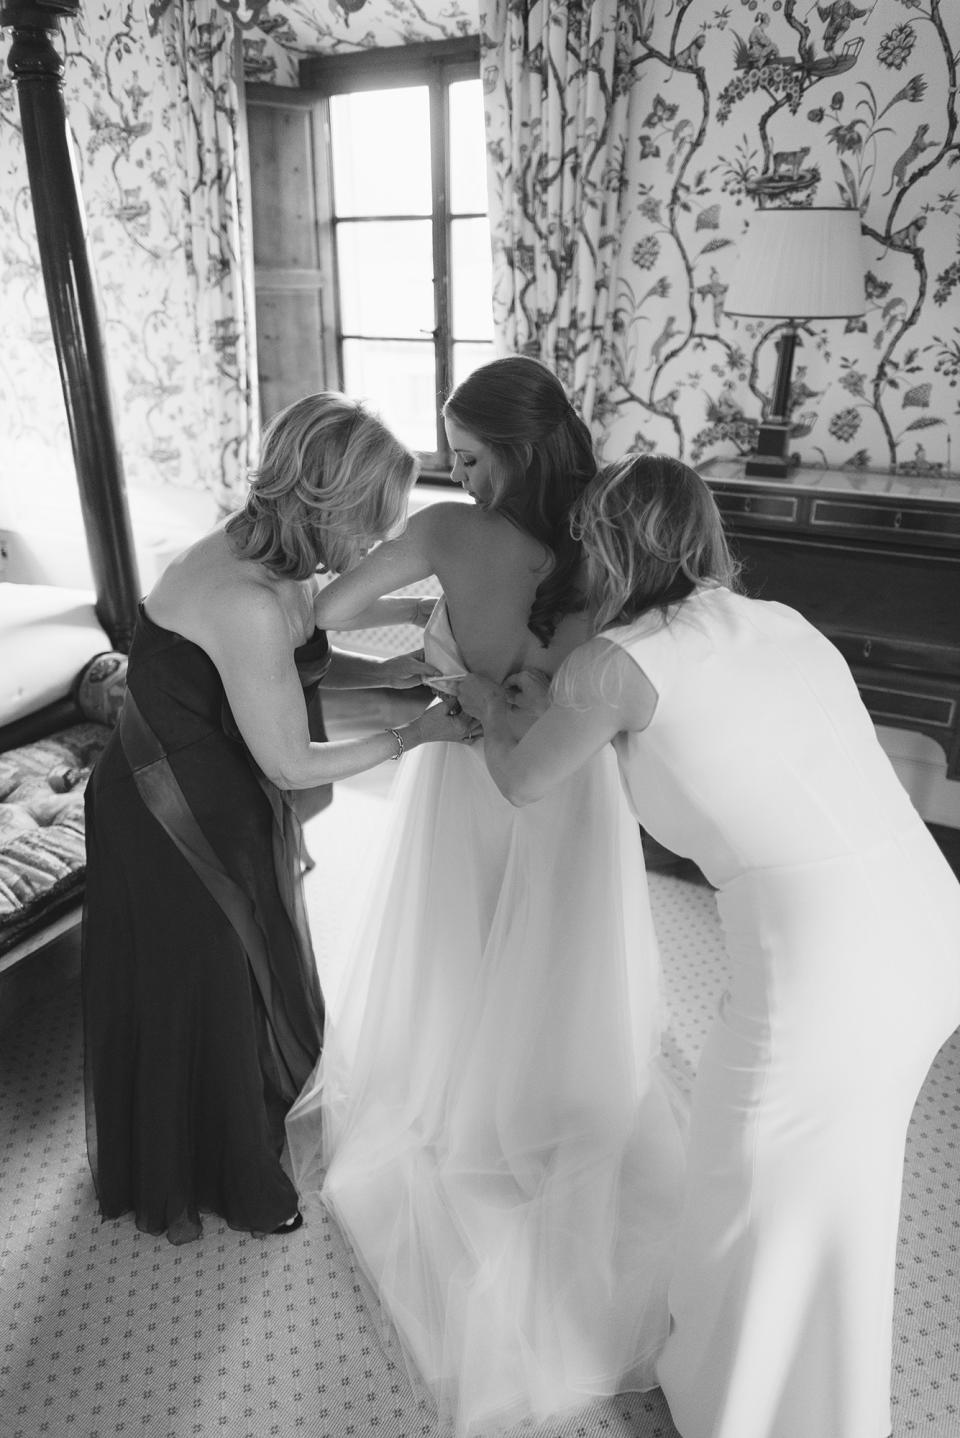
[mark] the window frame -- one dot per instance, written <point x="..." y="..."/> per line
<point x="436" y="65"/>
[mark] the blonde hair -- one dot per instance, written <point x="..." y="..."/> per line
<point x="652" y="534"/>
<point x="588" y="676"/>
<point x="331" y="477"/>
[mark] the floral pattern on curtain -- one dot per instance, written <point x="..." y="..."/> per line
<point x="199" y="46"/>
<point x="155" y="123"/>
<point x="731" y="106"/>
<point x="559" y="86"/>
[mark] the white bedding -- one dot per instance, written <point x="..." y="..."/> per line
<point x="47" y="635"/>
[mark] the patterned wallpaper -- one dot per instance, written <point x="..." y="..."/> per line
<point x="174" y="362"/>
<point x="291" y="29"/>
<point x="736" y="104"/>
<point x="772" y="102"/>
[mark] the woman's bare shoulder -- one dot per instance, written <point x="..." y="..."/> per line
<point x="207" y="593"/>
<point x="480" y="537"/>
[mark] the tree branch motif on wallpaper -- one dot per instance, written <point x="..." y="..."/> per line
<point x="692" y="113"/>
<point x="675" y="372"/>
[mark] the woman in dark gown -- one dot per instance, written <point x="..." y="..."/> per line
<point x="203" y="1015"/>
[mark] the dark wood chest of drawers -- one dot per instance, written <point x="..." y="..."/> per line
<point x="873" y="560"/>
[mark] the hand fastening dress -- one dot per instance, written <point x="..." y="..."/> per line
<point x="489" y="1124"/>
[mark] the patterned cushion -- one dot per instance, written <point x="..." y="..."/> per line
<point x="42" y="852"/>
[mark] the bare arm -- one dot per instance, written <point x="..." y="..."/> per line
<point x="364" y="671"/>
<point x="391" y="566"/>
<point x="248" y="638"/>
<point x="566" y="735"/>
<point x="397" y="609"/>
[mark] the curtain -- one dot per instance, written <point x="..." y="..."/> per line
<point x="559" y="81"/>
<point x="199" y="45"/>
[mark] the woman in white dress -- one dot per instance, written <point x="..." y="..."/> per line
<point x="489" y="1124"/>
<point x="743" y="744"/>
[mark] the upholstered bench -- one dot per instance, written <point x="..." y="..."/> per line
<point x="42" y="849"/>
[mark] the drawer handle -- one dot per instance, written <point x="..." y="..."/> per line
<point x="867" y="648"/>
<point x="897" y="519"/>
<point x="747" y="504"/>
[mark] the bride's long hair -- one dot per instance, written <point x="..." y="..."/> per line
<point x="543" y="460"/>
<point x="652" y="534"/>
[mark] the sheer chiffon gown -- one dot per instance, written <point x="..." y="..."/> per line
<point x="489" y="1124"/>
<point x="202" y="1009"/>
<point x="842" y="921"/>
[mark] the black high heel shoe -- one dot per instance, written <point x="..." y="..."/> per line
<point x="291" y="1225"/>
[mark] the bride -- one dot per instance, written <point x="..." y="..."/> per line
<point x="489" y="1123"/>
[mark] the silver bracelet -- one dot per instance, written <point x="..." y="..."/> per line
<point x="400" y="744"/>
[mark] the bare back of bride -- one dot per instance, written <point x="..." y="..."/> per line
<point x="489" y="1123"/>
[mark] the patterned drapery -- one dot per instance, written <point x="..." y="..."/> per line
<point x="559" y="83"/>
<point x="246" y="14"/>
<point x="198" y="42"/>
<point x="731" y="108"/>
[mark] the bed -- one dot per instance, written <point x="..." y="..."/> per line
<point x="62" y="651"/>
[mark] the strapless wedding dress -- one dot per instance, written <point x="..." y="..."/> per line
<point x="489" y="1123"/>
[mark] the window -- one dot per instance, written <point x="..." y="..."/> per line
<point x="404" y="237"/>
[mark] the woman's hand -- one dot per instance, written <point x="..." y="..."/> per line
<point x="437" y="724"/>
<point x="406" y="671"/>
<point x="529" y="692"/>
<point x="423" y="609"/>
<point x="478" y="695"/>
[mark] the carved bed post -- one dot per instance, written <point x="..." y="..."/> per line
<point x="71" y="298"/>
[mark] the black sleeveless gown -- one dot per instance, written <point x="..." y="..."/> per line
<point x="203" y="1015"/>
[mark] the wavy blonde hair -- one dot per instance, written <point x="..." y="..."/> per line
<point x="331" y="479"/>
<point x="652" y="534"/>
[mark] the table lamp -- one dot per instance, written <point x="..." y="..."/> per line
<point x="794" y="264"/>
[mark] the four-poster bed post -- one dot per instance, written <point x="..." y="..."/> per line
<point x="71" y="298"/>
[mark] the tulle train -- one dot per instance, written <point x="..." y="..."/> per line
<point x="490" y="1123"/>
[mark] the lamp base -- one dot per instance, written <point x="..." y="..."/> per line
<point x="771" y="459"/>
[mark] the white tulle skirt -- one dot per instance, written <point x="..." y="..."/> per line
<point x="490" y="1124"/>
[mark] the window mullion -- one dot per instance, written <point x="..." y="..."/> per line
<point x="440" y="161"/>
<point x="326" y="239"/>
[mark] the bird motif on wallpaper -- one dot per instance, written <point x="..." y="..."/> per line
<point x="663" y="339"/>
<point x="345" y="8"/>
<point x="839" y="15"/>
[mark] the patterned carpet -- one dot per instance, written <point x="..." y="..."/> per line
<point x="106" y="1331"/>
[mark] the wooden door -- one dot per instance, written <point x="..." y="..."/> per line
<point x="293" y="277"/>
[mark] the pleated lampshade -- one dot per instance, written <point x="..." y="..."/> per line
<point x="799" y="264"/>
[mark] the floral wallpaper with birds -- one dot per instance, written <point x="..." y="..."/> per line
<point x="732" y="107"/>
<point x="733" y="104"/>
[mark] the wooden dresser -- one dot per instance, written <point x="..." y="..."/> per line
<point x="873" y="560"/>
